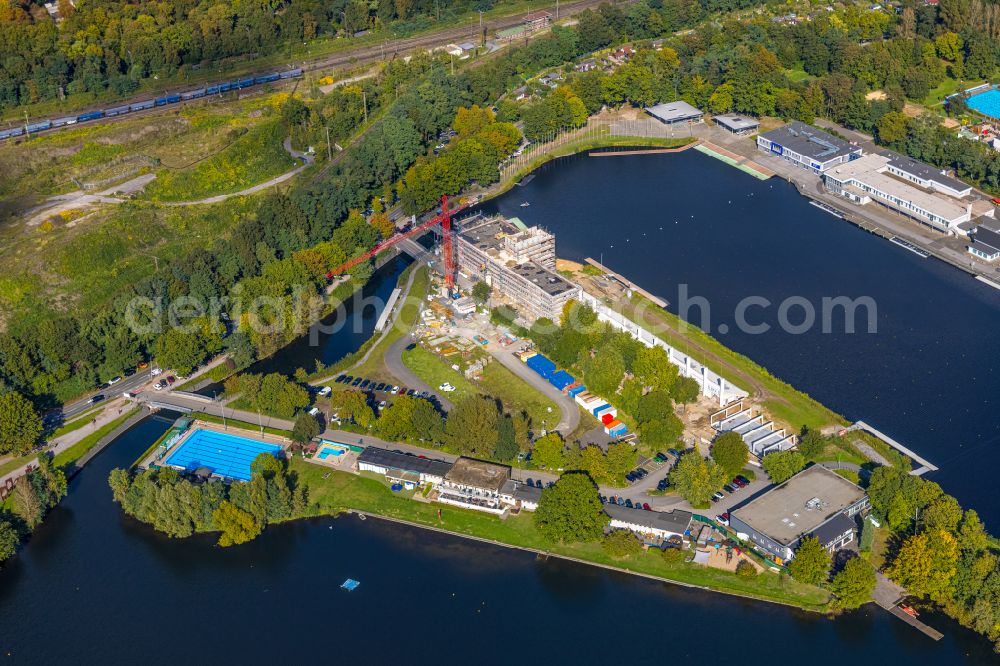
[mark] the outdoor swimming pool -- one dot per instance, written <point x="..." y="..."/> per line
<point x="986" y="102"/>
<point x="330" y="451"/>
<point x="225" y="454"/>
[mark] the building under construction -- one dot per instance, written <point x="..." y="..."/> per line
<point x="518" y="262"/>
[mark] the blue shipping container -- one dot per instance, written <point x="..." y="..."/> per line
<point x="577" y="390"/>
<point x="561" y="379"/>
<point x="596" y="410"/>
<point x="541" y="365"/>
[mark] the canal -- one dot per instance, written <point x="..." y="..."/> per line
<point x="94" y="586"/>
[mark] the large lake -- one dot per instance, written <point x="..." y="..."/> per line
<point x="93" y="586"/>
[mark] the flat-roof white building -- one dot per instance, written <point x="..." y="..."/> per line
<point x="737" y="124"/>
<point x="673" y="113"/>
<point x="880" y="178"/>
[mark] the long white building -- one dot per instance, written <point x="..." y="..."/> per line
<point x="905" y="186"/>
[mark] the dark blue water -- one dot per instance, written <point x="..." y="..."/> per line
<point x="95" y="587"/>
<point x="929" y="377"/>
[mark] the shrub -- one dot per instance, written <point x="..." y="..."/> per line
<point x="746" y="570"/>
<point x="674" y="555"/>
<point x="621" y="543"/>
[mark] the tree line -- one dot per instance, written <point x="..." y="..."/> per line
<point x="239" y="511"/>
<point x="34" y="494"/>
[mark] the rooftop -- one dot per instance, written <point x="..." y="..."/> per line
<point x="924" y="171"/>
<point x="832" y="529"/>
<point x="522" y="492"/>
<point x="675" y="521"/>
<point x="809" y="141"/>
<point x="673" y="111"/>
<point x="869" y="170"/>
<point x="736" y="122"/>
<point x="406" y="462"/>
<point x="551" y="283"/>
<point x="800" y="505"/>
<point x="478" y="474"/>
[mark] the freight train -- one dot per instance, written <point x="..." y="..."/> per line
<point x="173" y="98"/>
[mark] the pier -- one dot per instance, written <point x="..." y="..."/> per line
<point x="889" y="596"/>
<point x="925" y="466"/>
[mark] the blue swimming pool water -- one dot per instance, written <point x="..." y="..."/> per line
<point x="327" y="452"/>
<point x="226" y="455"/>
<point x="987" y="103"/>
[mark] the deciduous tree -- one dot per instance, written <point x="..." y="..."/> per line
<point x="731" y="452"/>
<point x="783" y="465"/>
<point x="853" y="585"/>
<point x="697" y="478"/>
<point x="571" y="511"/>
<point x="811" y="564"/>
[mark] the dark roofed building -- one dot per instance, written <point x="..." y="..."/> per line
<point x="520" y="495"/>
<point x="807" y="147"/>
<point x="814" y="502"/>
<point x="402" y="466"/>
<point x="925" y="175"/>
<point x="986" y="240"/>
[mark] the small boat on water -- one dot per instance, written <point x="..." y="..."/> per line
<point x="350" y="585"/>
<point x="525" y="204"/>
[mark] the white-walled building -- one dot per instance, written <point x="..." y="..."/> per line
<point x="475" y="484"/>
<point x="900" y="184"/>
<point x="658" y="525"/>
<point x="807" y="147"/>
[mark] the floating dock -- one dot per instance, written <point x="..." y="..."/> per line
<point x="350" y="585"/>
<point x="905" y="244"/>
<point x="830" y="209"/>
<point x="387" y="310"/>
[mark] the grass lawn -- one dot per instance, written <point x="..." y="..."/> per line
<point x="436" y="370"/>
<point x="784" y="402"/>
<point x="248" y="160"/>
<point x="517" y="394"/>
<point x="798" y="75"/>
<point x="947" y="87"/>
<point x="341" y="491"/>
<point x="76" y="422"/>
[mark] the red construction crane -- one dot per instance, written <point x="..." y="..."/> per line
<point x="444" y="219"/>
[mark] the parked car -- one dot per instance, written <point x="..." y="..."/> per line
<point x="729" y="489"/>
<point x="646" y="506"/>
<point x="170" y="380"/>
<point x="663" y="485"/>
<point x="314" y="411"/>
<point x="674" y="452"/>
<point x="411" y="392"/>
<point x="723" y="518"/>
<point x="628" y="503"/>
<point x="158" y="386"/>
<point x="340" y="378"/>
<point x="530" y="482"/>
<point x="357" y="380"/>
<point x="740" y="477"/>
<point x="155" y="372"/>
<point x="446" y="387"/>
<point x="621" y="502"/>
<point x="738" y="483"/>
<point x="402" y="391"/>
<point x="325" y="391"/>
<point x="142" y="366"/>
<point x="114" y="380"/>
<point x="718" y="496"/>
<point x="95" y="398"/>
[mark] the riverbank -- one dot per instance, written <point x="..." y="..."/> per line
<point x="341" y="492"/>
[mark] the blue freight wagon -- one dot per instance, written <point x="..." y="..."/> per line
<point x="292" y="74"/>
<point x="116" y="111"/>
<point x="577" y="390"/>
<point x="267" y="78"/>
<point x="561" y="379"/>
<point x="93" y="115"/>
<point x="139" y="106"/>
<point x="541" y="365"/>
<point x="38" y="127"/>
<point x="244" y="83"/>
<point x="62" y="122"/>
<point x="225" y="87"/>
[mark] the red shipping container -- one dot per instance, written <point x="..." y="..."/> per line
<point x="607" y="418"/>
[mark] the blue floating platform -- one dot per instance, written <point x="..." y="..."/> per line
<point x="350" y="585"/>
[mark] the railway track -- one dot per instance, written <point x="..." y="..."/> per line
<point x="364" y="55"/>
